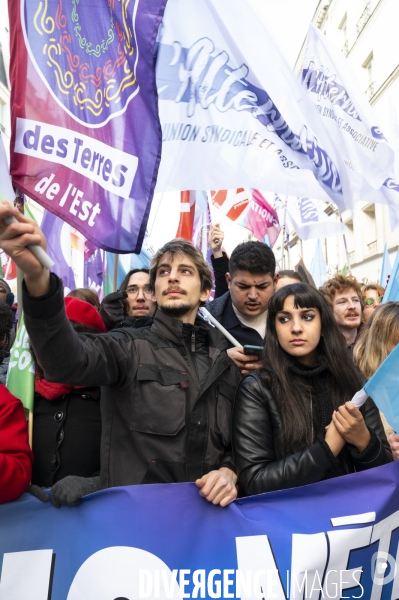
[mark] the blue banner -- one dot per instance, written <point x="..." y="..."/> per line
<point x="337" y="538"/>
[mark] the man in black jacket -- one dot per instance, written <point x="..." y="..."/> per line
<point x="167" y="390"/>
<point x="242" y="309"/>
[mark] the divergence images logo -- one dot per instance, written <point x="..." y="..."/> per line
<point x="86" y="57"/>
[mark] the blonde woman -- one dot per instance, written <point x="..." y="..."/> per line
<point x="379" y="337"/>
<point x="373" y="295"/>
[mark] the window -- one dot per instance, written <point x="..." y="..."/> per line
<point x="368" y="67"/>
<point x="344" y="35"/>
<point x="369" y="228"/>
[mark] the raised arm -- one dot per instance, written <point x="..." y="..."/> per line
<point x="64" y="355"/>
<point x="14" y="240"/>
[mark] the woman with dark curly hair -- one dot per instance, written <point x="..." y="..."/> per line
<point x="293" y="421"/>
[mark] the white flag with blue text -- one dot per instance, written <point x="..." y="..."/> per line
<point x="366" y="161"/>
<point x="233" y="113"/>
<point x="309" y="220"/>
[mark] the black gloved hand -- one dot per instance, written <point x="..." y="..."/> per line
<point x="112" y="309"/>
<point x="38" y="492"/>
<point x="71" y="489"/>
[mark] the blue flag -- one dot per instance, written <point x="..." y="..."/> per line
<point x="383" y="388"/>
<point x="392" y="289"/>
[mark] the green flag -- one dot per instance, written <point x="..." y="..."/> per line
<point x="21" y="369"/>
<point x="344" y="270"/>
<point x="28" y="212"/>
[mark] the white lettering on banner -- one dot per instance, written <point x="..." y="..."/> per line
<point x="20" y="353"/>
<point x="26" y="575"/>
<point x="114" y="170"/>
<point x="340" y="544"/>
<point x="319" y="568"/>
<point x="254" y="554"/>
<point x="116" y="573"/>
<point x="308" y="557"/>
<point x="78" y="206"/>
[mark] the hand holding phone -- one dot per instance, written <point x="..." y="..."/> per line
<point x="256" y="350"/>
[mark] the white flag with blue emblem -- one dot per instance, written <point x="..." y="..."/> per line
<point x="233" y="113"/>
<point x="309" y="220"/>
<point x="366" y="159"/>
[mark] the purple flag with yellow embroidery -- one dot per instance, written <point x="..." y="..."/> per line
<point x="86" y="139"/>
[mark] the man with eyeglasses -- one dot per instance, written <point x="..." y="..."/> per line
<point x="345" y="297"/>
<point x="131" y="305"/>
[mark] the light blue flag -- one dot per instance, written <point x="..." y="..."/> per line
<point x="392" y="289"/>
<point x="143" y="260"/>
<point x="318" y="269"/>
<point x="383" y="388"/>
<point x="386" y="268"/>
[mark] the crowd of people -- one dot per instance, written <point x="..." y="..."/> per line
<point x="143" y="388"/>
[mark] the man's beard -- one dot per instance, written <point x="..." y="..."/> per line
<point x="177" y="311"/>
<point x="353" y="324"/>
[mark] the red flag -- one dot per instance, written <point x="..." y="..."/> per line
<point x="9" y="267"/>
<point x="187" y="211"/>
<point x="231" y="202"/>
<point x="249" y="209"/>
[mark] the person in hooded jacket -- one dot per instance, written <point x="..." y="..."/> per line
<point x="131" y="305"/>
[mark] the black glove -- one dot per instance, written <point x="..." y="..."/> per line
<point x="112" y="310"/>
<point x="71" y="489"/>
<point x="38" y="492"/>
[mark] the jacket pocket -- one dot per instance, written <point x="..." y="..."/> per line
<point x="224" y="406"/>
<point x="159" y="404"/>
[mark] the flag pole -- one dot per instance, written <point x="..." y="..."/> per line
<point x="115" y="273"/>
<point x="345" y="245"/>
<point x="20" y="276"/>
<point x="283" y="232"/>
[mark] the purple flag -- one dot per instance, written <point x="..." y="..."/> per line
<point x="59" y="248"/>
<point x="93" y="271"/>
<point x="86" y="138"/>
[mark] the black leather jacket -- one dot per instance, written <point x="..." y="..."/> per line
<point x="258" y="445"/>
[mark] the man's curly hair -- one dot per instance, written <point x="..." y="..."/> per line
<point x="338" y="284"/>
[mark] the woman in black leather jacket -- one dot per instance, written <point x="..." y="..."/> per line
<point x="293" y="423"/>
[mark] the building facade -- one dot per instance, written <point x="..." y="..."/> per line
<point x="366" y="33"/>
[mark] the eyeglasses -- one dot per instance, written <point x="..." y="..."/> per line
<point x="134" y="291"/>
<point x="370" y="301"/>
